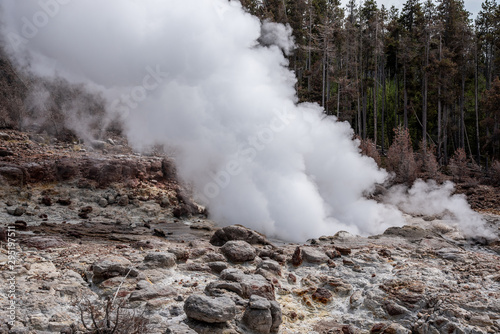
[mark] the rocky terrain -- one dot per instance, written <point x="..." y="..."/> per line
<point x="102" y="233"/>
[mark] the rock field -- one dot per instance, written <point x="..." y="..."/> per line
<point x="100" y="229"/>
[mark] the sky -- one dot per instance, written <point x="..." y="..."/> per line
<point x="473" y="6"/>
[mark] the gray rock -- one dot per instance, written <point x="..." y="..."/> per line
<point x="179" y="329"/>
<point x="98" y="144"/>
<point x="4" y="136"/>
<point x="109" y="267"/>
<point x="270" y="265"/>
<point x="152" y="292"/>
<point x="17" y="212"/>
<point x="238" y="251"/>
<point x="262" y="316"/>
<point x="314" y="255"/>
<point x="258" y="320"/>
<point x="103" y="202"/>
<point x="160" y="260"/>
<point x="259" y="303"/>
<point x="218" y="266"/>
<point x="45" y="242"/>
<point x="210" y="309"/>
<point x="237" y="232"/>
<point x="122" y="201"/>
<point x="250" y="284"/>
<point x="277" y="316"/>
<point x="214" y="288"/>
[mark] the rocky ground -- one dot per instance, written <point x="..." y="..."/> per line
<point x="102" y="232"/>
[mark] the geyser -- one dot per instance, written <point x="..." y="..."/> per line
<point x="191" y="74"/>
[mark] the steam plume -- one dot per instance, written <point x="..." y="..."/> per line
<point x="192" y="74"/>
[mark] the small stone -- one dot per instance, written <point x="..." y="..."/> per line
<point x="343" y="250"/>
<point x="17" y="212"/>
<point x="394" y="309"/>
<point x="123" y="201"/>
<point x="333" y="253"/>
<point x="322" y="295"/>
<point x="103" y="202"/>
<point x="47" y="201"/>
<point x="64" y="201"/>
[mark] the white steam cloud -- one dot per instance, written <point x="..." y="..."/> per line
<point x="192" y="74"/>
<point x="429" y="198"/>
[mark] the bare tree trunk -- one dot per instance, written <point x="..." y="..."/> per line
<point x="445" y="134"/>
<point x="462" y="112"/>
<point x="375" y="122"/>
<point x="396" y="104"/>
<point x="309" y="77"/>
<point x="338" y="99"/>
<point x="382" y="140"/>
<point x="323" y="88"/>
<point x="440" y="107"/>
<point x="405" y="98"/>
<point x="365" y="123"/>
<point x="476" y="105"/>
<point x="424" y="97"/>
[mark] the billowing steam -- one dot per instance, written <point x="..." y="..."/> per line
<point x="207" y="78"/>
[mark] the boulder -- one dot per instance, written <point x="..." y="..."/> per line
<point x="238" y="251"/>
<point x="250" y="284"/>
<point x="271" y="266"/>
<point x="314" y="255"/>
<point x="262" y="315"/>
<point x="160" y="260"/>
<point x="210" y="309"/>
<point x="111" y="266"/>
<point x="237" y="232"/>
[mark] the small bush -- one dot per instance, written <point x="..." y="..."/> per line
<point x="369" y="149"/>
<point x="107" y="317"/>
<point x="458" y="165"/>
<point x="495" y="172"/>
<point x="427" y="162"/>
<point x="400" y="157"/>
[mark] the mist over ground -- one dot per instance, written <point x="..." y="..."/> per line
<point x="192" y="75"/>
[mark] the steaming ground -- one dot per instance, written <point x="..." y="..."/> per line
<point x="191" y="75"/>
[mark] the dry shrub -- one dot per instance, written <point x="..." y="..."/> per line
<point x="369" y="149"/>
<point x="400" y="157"/>
<point x="458" y="165"/>
<point x="427" y="162"/>
<point x="106" y="317"/>
<point x="495" y="172"/>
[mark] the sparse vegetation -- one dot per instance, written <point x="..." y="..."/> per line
<point x="109" y="317"/>
<point x="427" y="162"/>
<point x="400" y="157"/>
<point x="368" y="148"/>
<point x="495" y="172"/>
<point x="458" y="165"/>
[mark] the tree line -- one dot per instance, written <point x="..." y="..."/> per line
<point x="428" y="67"/>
